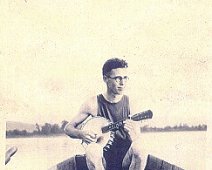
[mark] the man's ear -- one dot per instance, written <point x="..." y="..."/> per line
<point x="105" y="78"/>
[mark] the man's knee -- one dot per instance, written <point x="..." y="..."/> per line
<point x="94" y="151"/>
<point x="94" y="156"/>
<point x="137" y="149"/>
<point x="139" y="154"/>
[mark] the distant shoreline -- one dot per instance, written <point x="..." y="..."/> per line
<point x="35" y="136"/>
<point x="174" y="131"/>
<point x="59" y="135"/>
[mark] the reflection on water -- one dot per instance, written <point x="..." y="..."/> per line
<point x="185" y="149"/>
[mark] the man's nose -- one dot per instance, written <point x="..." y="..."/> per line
<point x="122" y="82"/>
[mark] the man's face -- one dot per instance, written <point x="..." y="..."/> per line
<point x="116" y="80"/>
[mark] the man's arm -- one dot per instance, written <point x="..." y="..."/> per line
<point x="89" y="108"/>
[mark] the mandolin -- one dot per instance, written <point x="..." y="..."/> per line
<point x="103" y="128"/>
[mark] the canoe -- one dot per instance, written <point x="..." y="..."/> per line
<point x="78" y="162"/>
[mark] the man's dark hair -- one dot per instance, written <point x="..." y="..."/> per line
<point x="113" y="63"/>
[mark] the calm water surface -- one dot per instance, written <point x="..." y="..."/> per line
<point x="185" y="149"/>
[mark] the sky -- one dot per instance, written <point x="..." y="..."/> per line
<point x="52" y="54"/>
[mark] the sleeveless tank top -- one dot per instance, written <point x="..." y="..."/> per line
<point x="121" y="142"/>
<point x="114" y="112"/>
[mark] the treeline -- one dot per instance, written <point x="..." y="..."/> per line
<point x="181" y="127"/>
<point x="46" y="130"/>
<point x="54" y="129"/>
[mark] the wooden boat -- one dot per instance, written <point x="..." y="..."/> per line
<point x="9" y="153"/>
<point x="78" y="162"/>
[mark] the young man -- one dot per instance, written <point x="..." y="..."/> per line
<point x="123" y="152"/>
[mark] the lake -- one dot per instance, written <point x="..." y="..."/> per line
<point x="184" y="149"/>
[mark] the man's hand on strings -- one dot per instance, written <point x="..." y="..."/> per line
<point x="89" y="136"/>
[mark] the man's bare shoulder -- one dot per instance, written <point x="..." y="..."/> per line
<point x="90" y="106"/>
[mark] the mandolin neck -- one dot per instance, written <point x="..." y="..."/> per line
<point x="136" y="117"/>
<point x="113" y="126"/>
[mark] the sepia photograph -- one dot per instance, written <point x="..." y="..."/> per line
<point x="105" y="85"/>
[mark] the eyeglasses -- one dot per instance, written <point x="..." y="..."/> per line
<point x="118" y="79"/>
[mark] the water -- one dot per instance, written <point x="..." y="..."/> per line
<point x="185" y="149"/>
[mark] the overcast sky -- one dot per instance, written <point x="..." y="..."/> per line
<point x="53" y="52"/>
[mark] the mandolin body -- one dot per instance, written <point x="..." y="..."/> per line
<point x="104" y="129"/>
<point x="95" y="124"/>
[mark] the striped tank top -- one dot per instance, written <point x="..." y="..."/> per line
<point x="121" y="143"/>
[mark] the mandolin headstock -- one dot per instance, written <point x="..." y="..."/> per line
<point x="142" y="115"/>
